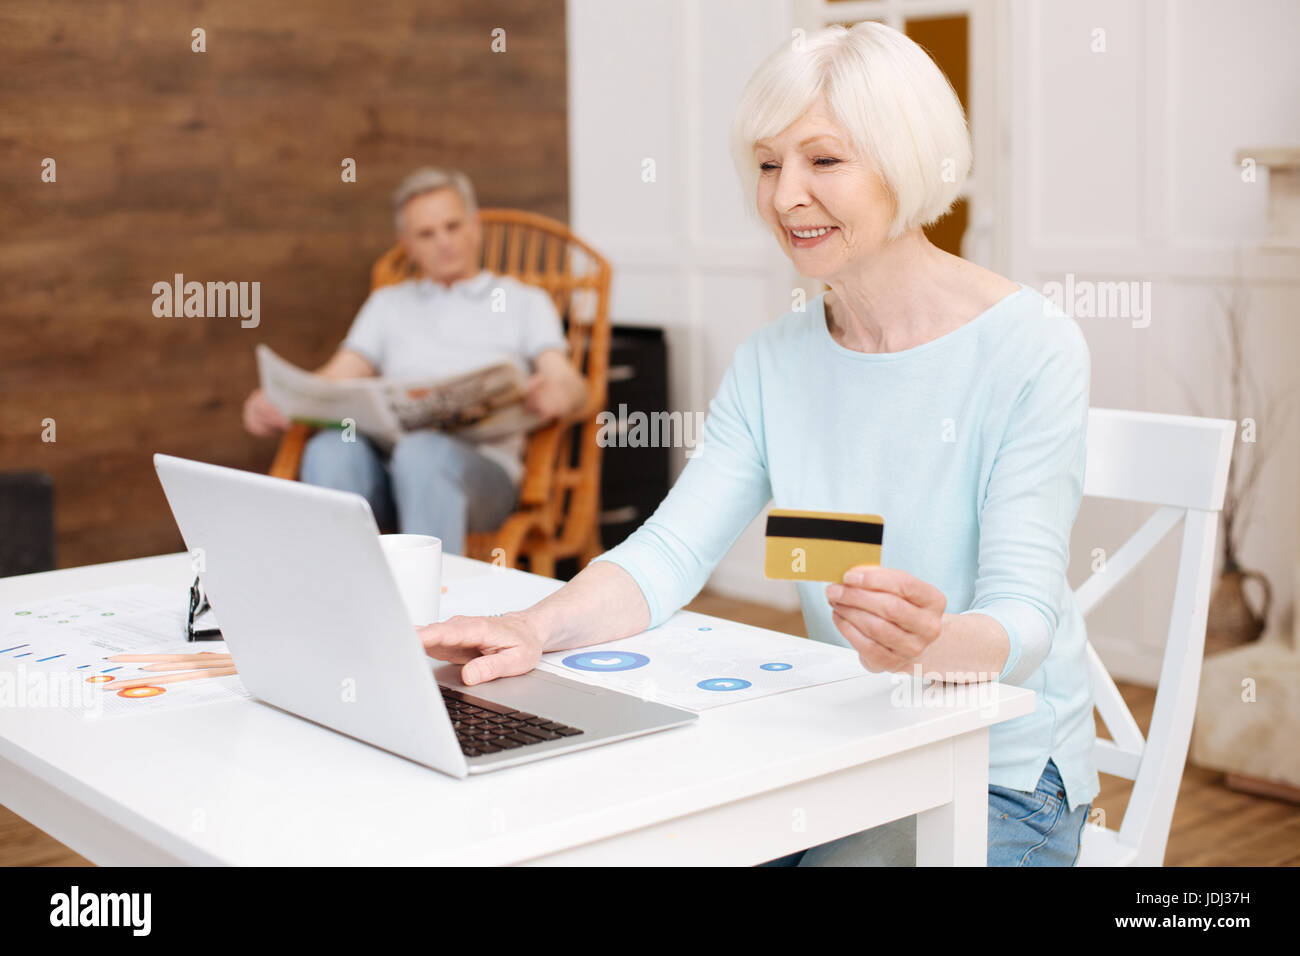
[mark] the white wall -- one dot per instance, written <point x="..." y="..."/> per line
<point x="1122" y="166"/>
<point x="1115" y="165"/>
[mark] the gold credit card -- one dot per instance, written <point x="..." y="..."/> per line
<point x="820" y="545"/>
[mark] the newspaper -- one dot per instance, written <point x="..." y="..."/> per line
<point x="480" y="405"/>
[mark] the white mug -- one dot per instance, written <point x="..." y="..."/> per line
<point x="416" y="562"/>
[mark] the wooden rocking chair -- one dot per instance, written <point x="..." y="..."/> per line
<point x="559" y="496"/>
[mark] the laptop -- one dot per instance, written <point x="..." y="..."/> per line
<point x="312" y="616"/>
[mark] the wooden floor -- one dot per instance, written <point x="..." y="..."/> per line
<point x="1213" y="826"/>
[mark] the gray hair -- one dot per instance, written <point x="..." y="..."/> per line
<point x="887" y="95"/>
<point x="426" y="179"/>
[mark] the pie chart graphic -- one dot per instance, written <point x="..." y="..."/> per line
<point x="723" y="683"/>
<point x="138" y="692"/>
<point x="606" y="661"/>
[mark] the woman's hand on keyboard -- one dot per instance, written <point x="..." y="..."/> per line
<point x="489" y="647"/>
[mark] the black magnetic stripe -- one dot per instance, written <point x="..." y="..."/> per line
<point x="833" y="529"/>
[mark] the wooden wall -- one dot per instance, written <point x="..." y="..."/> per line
<point x="225" y="166"/>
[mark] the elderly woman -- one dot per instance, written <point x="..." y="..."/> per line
<point x="921" y="387"/>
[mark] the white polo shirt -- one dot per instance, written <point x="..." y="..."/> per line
<point x="420" y="328"/>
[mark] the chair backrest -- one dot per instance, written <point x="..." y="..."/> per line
<point x="1180" y="463"/>
<point x="542" y="251"/>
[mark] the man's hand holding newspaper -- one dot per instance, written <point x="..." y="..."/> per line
<point x="480" y="405"/>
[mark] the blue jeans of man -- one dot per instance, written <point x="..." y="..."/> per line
<point x="431" y="483"/>
<point x="1025" y="829"/>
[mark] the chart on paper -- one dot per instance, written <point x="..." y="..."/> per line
<point x="51" y="650"/>
<point x="698" y="662"/>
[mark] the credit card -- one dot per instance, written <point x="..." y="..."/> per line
<point x="820" y="545"/>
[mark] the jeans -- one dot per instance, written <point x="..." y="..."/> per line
<point x="432" y="483"/>
<point x="1025" y="829"/>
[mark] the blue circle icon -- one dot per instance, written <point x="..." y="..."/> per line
<point x="605" y="661"/>
<point x="704" y="628"/>
<point x="775" y="666"/>
<point x="723" y="683"/>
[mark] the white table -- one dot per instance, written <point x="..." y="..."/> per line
<point x="242" y="783"/>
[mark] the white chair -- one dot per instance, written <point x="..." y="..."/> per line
<point x="1180" y="463"/>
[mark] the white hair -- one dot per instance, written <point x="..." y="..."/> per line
<point x="427" y="179"/>
<point x="889" y="99"/>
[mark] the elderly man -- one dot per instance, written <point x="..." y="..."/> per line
<point x="455" y="318"/>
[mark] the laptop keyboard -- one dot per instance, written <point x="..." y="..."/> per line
<point x="483" y="727"/>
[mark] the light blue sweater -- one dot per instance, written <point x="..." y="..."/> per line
<point x="972" y="449"/>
